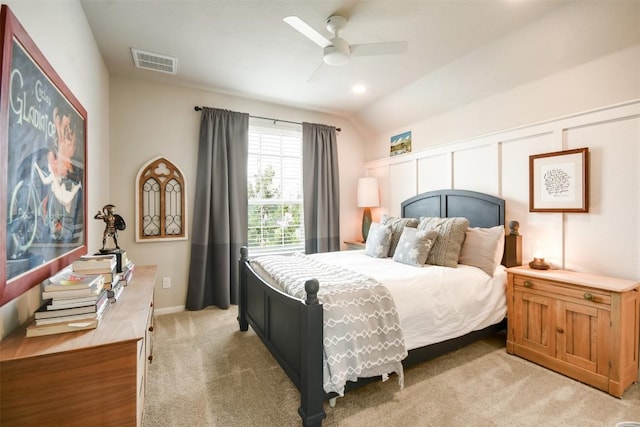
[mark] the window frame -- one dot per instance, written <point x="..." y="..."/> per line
<point x="147" y="172"/>
<point x="288" y="130"/>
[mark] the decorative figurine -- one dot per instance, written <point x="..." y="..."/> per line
<point x="114" y="222"/>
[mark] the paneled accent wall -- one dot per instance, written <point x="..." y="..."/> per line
<point x="604" y="241"/>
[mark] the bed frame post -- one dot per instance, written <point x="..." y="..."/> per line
<point x="242" y="304"/>
<point x="311" y="350"/>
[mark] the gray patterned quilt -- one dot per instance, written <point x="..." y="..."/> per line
<point x="362" y="335"/>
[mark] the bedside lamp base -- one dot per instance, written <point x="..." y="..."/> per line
<point x="366" y="223"/>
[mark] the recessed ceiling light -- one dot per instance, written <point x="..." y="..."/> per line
<point x="359" y="88"/>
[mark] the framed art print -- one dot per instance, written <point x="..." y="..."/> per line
<point x="559" y="181"/>
<point x="400" y="144"/>
<point x="43" y="190"/>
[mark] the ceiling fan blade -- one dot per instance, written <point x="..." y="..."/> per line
<point x="307" y="31"/>
<point x="372" y="49"/>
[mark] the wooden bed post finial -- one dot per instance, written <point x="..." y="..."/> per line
<point x="312" y="287"/>
<point x="512" y="246"/>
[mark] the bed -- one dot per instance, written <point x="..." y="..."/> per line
<point x="292" y="327"/>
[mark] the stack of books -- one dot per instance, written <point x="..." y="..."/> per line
<point x="115" y="266"/>
<point x="98" y="264"/>
<point x="124" y="277"/>
<point x="121" y="258"/>
<point x="72" y="302"/>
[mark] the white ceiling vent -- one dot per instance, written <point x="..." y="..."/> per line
<point x="154" y="61"/>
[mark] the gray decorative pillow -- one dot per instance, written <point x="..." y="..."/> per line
<point x="451" y="234"/>
<point x="483" y="248"/>
<point x="414" y="246"/>
<point x="378" y="240"/>
<point x="397" y="225"/>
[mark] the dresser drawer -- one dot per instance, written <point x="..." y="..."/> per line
<point x="559" y="289"/>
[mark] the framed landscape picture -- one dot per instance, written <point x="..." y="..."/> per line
<point x="43" y="189"/>
<point x="559" y="181"/>
<point x="401" y="143"/>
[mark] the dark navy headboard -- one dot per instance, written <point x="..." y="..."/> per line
<point x="482" y="210"/>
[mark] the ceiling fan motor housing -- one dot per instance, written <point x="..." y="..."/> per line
<point x="338" y="52"/>
<point x="336" y="23"/>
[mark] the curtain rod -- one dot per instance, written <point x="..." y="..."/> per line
<point x="198" y="108"/>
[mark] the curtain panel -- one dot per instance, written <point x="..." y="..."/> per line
<point x="220" y="221"/>
<point x="321" y="188"/>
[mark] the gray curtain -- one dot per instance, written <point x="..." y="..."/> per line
<point x="321" y="188"/>
<point x="219" y="226"/>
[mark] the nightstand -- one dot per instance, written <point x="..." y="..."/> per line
<point x="354" y="244"/>
<point x="581" y="325"/>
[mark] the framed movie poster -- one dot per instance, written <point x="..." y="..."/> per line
<point x="559" y="181"/>
<point x="43" y="189"/>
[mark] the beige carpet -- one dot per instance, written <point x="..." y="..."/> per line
<point x="205" y="372"/>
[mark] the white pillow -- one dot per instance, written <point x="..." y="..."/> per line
<point x="483" y="248"/>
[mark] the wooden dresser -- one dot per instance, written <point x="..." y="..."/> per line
<point x="581" y="325"/>
<point x="85" y="378"/>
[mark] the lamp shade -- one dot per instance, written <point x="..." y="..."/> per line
<point x="368" y="195"/>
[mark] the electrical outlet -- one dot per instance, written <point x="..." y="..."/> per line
<point x="166" y="282"/>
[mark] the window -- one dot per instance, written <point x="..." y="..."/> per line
<point x="275" y="189"/>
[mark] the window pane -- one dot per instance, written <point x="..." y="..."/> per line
<point x="275" y="189"/>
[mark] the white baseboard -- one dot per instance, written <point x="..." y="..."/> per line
<point x="168" y="310"/>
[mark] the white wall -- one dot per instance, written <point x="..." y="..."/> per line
<point x="150" y="119"/>
<point x="485" y="146"/>
<point x="609" y="80"/>
<point x="602" y="241"/>
<point x="61" y="32"/>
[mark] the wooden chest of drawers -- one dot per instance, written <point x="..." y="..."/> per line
<point x="583" y="326"/>
<point x="86" y="378"/>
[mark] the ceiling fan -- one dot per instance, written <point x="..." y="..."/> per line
<point x="337" y="51"/>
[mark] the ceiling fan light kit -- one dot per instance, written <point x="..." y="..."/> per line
<point x="338" y="53"/>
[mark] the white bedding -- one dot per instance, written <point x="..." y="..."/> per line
<point x="434" y="303"/>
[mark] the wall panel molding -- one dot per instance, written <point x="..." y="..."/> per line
<point x="497" y="163"/>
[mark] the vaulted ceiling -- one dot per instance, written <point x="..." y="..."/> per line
<point x="458" y="51"/>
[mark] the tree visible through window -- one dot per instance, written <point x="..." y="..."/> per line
<point x="275" y="189"/>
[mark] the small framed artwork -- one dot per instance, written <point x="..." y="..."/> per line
<point x="401" y="143"/>
<point x="43" y="190"/>
<point x="559" y="181"/>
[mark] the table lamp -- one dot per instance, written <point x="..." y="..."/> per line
<point x="368" y="197"/>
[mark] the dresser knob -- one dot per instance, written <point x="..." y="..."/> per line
<point x="150" y="358"/>
<point x="527" y="284"/>
<point x="151" y="328"/>
<point x="588" y="296"/>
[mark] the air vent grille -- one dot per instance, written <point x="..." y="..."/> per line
<point x="154" y="61"/>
